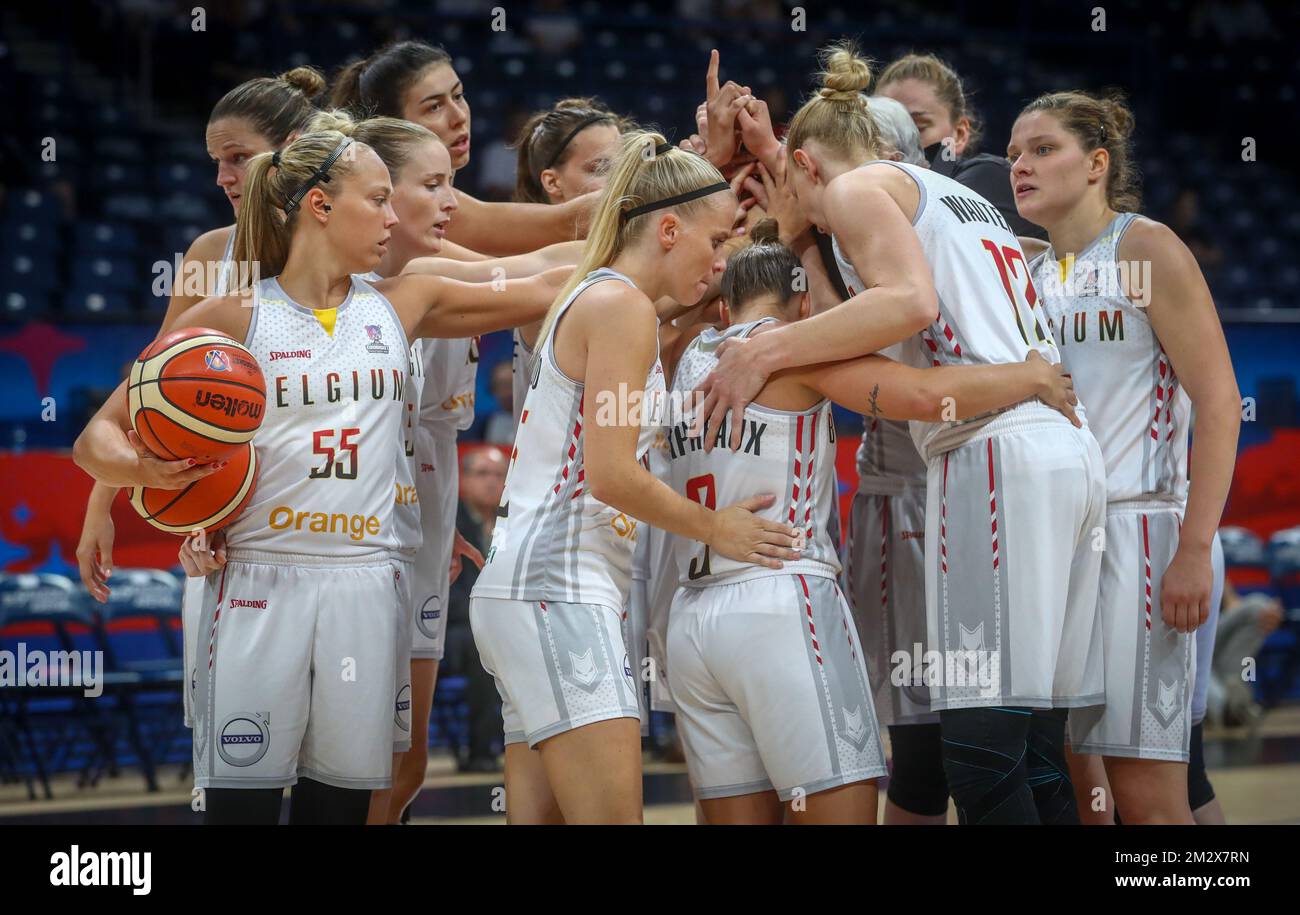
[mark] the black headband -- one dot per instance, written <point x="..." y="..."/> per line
<point x="673" y="201"/>
<point x="321" y="174"/>
<point x="578" y="128"/>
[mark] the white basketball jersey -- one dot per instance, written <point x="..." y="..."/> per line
<point x="226" y="268"/>
<point x="334" y="407"/>
<point x="406" y="500"/>
<point x="521" y="360"/>
<point x="1137" y="410"/>
<point x="791" y="454"/>
<point x="553" y="540"/>
<point x="887" y="454"/>
<point x="988" y="310"/>
<point x="450" y="373"/>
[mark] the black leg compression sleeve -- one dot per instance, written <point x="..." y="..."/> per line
<point x="312" y="803"/>
<point x="917" y="783"/>
<point x="1049" y="773"/>
<point x="242" y="806"/>
<point x="1199" y="790"/>
<point x="985" y="758"/>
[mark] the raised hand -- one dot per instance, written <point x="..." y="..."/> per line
<point x="722" y="103"/>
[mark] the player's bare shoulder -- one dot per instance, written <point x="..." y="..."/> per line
<point x="230" y="314"/>
<point x="846" y="193"/>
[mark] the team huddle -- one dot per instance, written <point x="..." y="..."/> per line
<point x="1026" y="566"/>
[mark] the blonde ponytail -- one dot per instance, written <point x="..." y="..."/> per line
<point x="837" y="115"/>
<point x="646" y="170"/>
<point x="262" y="229"/>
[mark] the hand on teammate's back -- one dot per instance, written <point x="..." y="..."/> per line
<point x="1055" y="386"/>
<point x="732" y="385"/>
<point x="744" y="536"/>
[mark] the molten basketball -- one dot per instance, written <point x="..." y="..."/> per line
<point x="196" y="393"/>
<point x="210" y="503"/>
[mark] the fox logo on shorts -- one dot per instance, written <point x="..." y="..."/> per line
<point x="972" y="639"/>
<point x="1167" y="704"/>
<point x="583" y="669"/>
<point x="216" y="361"/>
<point x="376" y="344"/>
<point x="854" y="728"/>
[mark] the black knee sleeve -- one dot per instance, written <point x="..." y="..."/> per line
<point x="984" y="759"/>
<point x="1199" y="790"/>
<point x="916" y="780"/>
<point x="313" y="803"/>
<point x="1048" y="771"/>
<point x="242" y="806"/>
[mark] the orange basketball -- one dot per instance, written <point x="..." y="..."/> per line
<point x="210" y="503"/>
<point x="196" y="393"/>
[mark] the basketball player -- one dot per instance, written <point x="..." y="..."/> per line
<point x="416" y="81"/>
<point x="563" y="153"/>
<point x="257" y="116"/>
<point x="1138" y="330"/>
<point x="547" y="608"/>
<point x="773" y="695"/>
<point x="933" y="95"/>
<point x="1010" y="587"/>
<point x="299" y="691"/>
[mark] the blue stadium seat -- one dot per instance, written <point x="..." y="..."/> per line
<point x="24" y="306"/>
<point x="93" y="304"/>
<point x="32" y="206"/>
<point x="106" y="238"/>
<point x="23" y="236"/>
<point x="105" y="274"/>
<point x="30" y="272"/>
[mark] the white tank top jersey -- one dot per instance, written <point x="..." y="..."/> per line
<point x="521" y="360"/>
<point x="225" y="268"/>
<point x="988" y="310"/>
<point x="450" y="373"/>
<point x="335" y="398"/>
<point x="406" y="500"/>
<point x="791" y="454"/>
<point x="654" y="460"/>
<point x="887" y="457"/>
<point x="1137" y="410"/>
<point x="553" y="540"/>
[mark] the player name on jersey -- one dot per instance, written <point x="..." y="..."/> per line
<point x="333" y="387"/>
<point x="971" y="209"/>
<point x="681" y="442"/>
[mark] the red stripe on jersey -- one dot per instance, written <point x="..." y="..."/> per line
<point x="807" y="606"/>
<point x="1146" y="558"/>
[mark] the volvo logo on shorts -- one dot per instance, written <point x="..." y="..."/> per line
<point x="244" y="739"/>
<point x="427" y="618"/>
<point x="216" y="360"/>
<point x="627" y="667"/>
<point x="402" y="709"/>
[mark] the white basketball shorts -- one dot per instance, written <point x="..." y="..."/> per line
<point x="1150" y="668"/>
<point x="1014" y="523"/>
<point x="296" y="663"/>
<point x="557" y="666"/>
<point x="771" y="688"/>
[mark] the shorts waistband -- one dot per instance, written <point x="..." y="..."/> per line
<point x="1030" y="414"/>
<point x="891" y="486"/>
<point x="260" y="557"/>
<point x="1133" y="506"/>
